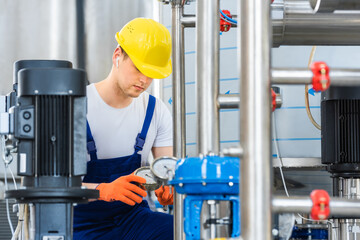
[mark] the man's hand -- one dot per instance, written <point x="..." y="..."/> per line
<point x="122" y="189"/>
<point x="163" y="195"/>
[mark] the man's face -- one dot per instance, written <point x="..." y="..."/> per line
<point x="130" y="80"/>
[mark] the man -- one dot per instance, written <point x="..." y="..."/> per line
<point x="124" y="124"/>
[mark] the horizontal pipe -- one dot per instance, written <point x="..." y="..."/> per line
<point x="189" y="21"/>
<point x="346" y="77"/>
<point x="338" y="77"/>
<point x="339" y="207"/>
<point x="233" y="152"/>
<point x="233" y="101"/>
<point x="317" y="29"/>
<point x="228" y="101"/>
<point x="291" y="76"/>
<point x="333" y="5"/>
<point x="309" y="29"/>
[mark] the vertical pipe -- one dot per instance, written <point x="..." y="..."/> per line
<point x="157" y="84"/>
<point x="179" y="117"/>
<point x="256" y="177"/>
<point x="207" y="81"/>
<point x="80" y="35"/>
<point x="207" y="75"/>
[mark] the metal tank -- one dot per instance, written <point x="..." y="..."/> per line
<point x="78" y="31"/>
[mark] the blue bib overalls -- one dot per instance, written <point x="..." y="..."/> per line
<point x="117" y="220"/>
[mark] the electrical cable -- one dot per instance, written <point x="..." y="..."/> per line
<point x="221" y="17"/>
<point x="6" y="162"/>
<point x="278" y="154"/>
<point x="20" y="222"/>
<point x="280" y="165"/>
<point x="8" y="158"/>
<point x="307" y="93"/>
<point x="21" y="212"/>
<point x="228" y="18"/>
<point x="7" y="204"/>
<point x="13" y="178"/>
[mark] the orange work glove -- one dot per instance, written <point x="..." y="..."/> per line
<point x="163" y="195"/>
<point x="123" y="190"/>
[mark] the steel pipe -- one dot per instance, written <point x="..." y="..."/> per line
<point x="255" y="137"/>
<point x="233" y="101"/>
<point x="332" y="5"/>
<point x="157" y="89"/>
<point x="228" y="101"/>
<point x="207" y="74"/>
<point x="233" y="152"/>
<point x="338" y="77"/>
<point x="190" y="20"/>
<point x="339" y="207"/>
<point x="317" y="29"/>
<point x="178" y="82"/>
<point x="299" y="26"/>
<point x="294" y="7"/>
<point x="207" y="83"/>
<point x="291" y="76"/>
<point x="178" y="104"/>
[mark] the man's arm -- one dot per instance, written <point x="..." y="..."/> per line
<point x="162" y="151"/>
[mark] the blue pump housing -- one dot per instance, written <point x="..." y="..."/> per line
<point x="207" y="175"/>
<point x="207" y="178"/>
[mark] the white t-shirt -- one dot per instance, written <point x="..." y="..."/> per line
<point x="114" y="130"/>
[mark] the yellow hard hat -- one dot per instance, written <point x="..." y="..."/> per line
<point x="148" y="44"/>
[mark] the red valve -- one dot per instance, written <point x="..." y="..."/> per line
<point x="321" y="79"/>
<point x="320" y="209"/>
<point x="224" y="25"/>
<point x="273" y="96"/>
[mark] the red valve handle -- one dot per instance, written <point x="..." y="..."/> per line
<point x="224" y="25"/>
<point x="273" y="97"/>
<point x="321" y="201"/>
<point x="321" y="79"/>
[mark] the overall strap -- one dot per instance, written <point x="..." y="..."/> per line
<point x="140" y="139"/>
<point x="91" y="147"/>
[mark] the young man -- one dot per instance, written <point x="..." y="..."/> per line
<point x="124" y="124"/>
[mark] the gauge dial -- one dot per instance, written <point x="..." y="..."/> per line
<point x="164" y="167"/>
<point x="145" y="172"/>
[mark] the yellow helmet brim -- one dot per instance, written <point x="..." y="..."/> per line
<point x="152" y="71"/>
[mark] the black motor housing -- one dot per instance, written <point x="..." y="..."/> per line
<point x="340" y="131"/>
<point x="50" y="133"/>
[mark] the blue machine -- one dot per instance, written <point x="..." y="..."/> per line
<point x="207" y="178"/>
<point x="309" y="233"/>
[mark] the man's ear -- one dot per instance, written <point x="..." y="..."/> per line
<point x="116" y="56"/>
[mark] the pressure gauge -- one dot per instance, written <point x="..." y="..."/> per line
<point x="151" y="183"/>
<point x="164" y="168"/>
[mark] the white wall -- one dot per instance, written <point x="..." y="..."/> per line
<point x="297" y="137"/>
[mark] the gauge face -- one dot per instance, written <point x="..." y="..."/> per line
<point x="145" y="172"/>
<point x="164" y="167"/>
